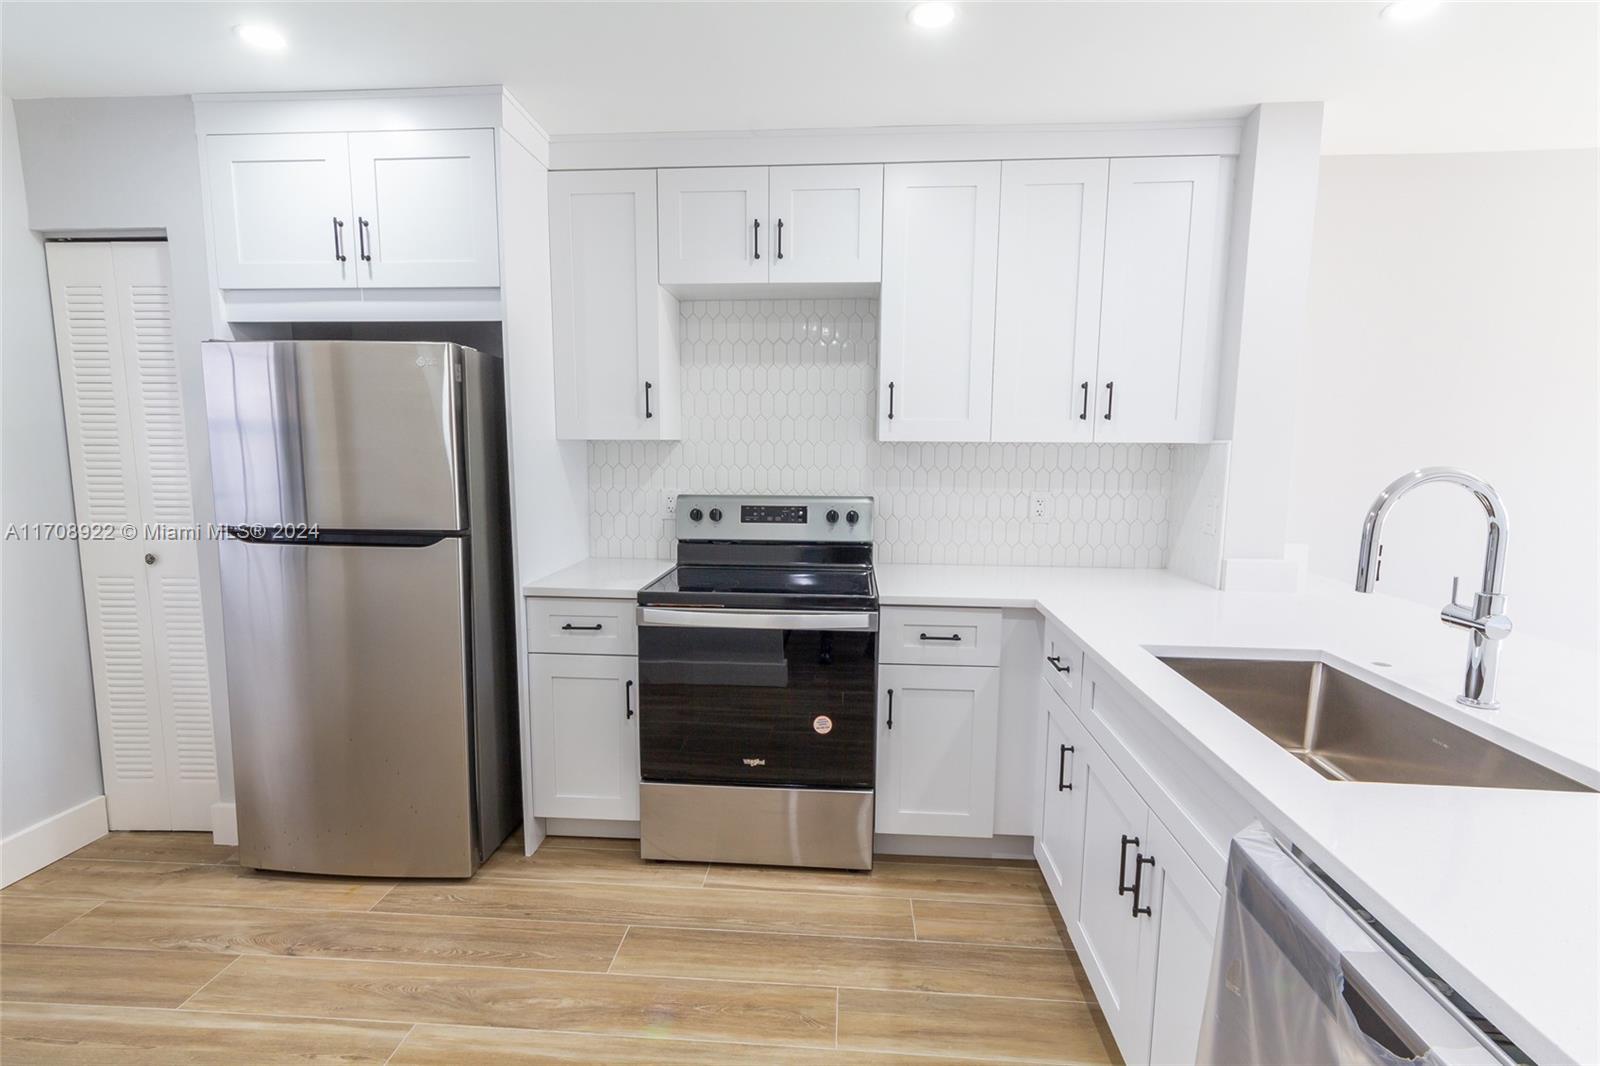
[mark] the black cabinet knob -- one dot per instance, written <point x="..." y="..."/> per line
<point x="852" y="517"/>
<point x="695" y="514"/>
<point x="833" y="516"/>
<point x="716" y="514"/>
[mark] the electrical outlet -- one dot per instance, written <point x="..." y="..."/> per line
<point x="1208" y="523"/>
<point x="669" y="503"/>
<point x="1040" y="507"/>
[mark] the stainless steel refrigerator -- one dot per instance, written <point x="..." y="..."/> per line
<point x="366" y="604"/>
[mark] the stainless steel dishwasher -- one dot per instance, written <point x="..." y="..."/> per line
<point x="1302" y="975"/>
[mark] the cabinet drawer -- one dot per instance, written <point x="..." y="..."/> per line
<point x="943" y="636"/>
<point x="582" y="627"/>
<point x="1063" y="664"/>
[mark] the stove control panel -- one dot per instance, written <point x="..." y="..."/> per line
<point x="846" y="519"/>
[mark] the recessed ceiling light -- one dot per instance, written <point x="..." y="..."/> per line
<point x="1409" y="10"/>
<point x="259" y="35"/>
<point x="932" y="16"/>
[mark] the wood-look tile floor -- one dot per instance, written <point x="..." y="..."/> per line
<point x="160" y="948"/>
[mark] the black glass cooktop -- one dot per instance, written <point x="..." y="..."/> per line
<point x="764" y="588"/>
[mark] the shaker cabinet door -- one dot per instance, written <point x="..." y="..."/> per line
<point x="936" y="329"/>
<point x="615" y="330"/>
<point x="1047" y="303"/>
<point x="827" y="223"/>
<point x="1158" y="308"/>
<point x="714" y="228"/>
<point x="936" y="749"/>
<point x="280" y="207"/>
<point x="425" y="212"/>
<point x="585" y="715"/>
<point x="1058" y="844"/>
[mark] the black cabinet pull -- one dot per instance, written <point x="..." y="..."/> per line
<point x="569" y="625"/>
<point x="364" y="240"/>
<point x="1083" y="415"/>
<point x="1055" y="661"/>
<point x="1110" y="385"/>
<point x="627" y="697"/>
<point x="953" y="636"/>
<point x="1138" y="880"/>
<point x="891" y="401"/>
<point x="647" y="412"/>
<point x="1062" y="784"/>
<point x="891" y="708"/>
<point x="338" y="238"/>
<point x="780" y="238"/>
<point x="1123" y="888"/>
<point x="756" y="241"/>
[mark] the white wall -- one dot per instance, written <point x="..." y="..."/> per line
<point x="1453" y="322"/>
<point x="132" y="164"/>
<point x="49" y="753"/>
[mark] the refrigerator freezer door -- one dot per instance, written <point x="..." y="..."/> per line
<point x="347" y="687"/>
<point x="356" y="435"/>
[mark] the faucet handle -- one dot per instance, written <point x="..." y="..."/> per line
<point x="1455" y="590"/>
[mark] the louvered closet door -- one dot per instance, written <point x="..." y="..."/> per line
<point x="130" y="467"/>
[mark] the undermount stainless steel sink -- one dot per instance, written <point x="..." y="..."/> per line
<point x="1347" y="730"/>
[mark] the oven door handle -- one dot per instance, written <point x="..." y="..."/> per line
<point x="699" y="618"/>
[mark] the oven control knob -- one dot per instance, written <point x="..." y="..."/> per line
<point x="833" y="516"/>
<point x="696" y="514"/>
<point x="852" y="517"/>
<point x="716" y="514"/>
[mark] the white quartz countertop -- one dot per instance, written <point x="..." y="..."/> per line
<point x="610" y="579"/>
<point x="1496" y="889"/>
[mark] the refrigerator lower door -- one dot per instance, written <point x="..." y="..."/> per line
<point x="348" y="701"/>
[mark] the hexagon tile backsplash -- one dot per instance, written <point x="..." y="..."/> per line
<point x="779" y="398"/>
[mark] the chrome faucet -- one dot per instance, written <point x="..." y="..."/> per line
<point x="1485" y="621"/>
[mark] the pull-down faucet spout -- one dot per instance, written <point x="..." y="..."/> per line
<point x="1484" y="619"/>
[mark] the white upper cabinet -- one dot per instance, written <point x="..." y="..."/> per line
<point x="936" y="327"/>
<point x="615" y="330"/>
<point x="1159" y="301"/>
<point x="713" y="226"/>
<point x="348" y="210"/>
<point x="280" y="211"/>
<point x="827" y="224"/>
<point x="425" y="209"/>
<point x="733" y="226"/>
<point x="1047" y="303"/>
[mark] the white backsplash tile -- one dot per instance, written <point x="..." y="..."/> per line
<point x="779" y="398"/>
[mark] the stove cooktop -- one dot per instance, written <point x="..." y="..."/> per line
<point x="764" y="588"/>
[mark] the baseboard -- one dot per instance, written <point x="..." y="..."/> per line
<point x="55" y="837"/>
<point x="224" y="824"/>
<point x="996" y="847"/>
<point x="590" y="827"/>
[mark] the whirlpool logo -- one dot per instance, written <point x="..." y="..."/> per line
<point x="755" y="762"/>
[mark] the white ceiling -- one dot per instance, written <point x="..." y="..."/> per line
<point x="1471" y="77"/>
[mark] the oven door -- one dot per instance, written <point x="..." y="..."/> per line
<point x="757" y="698"/>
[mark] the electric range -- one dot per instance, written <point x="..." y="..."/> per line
<point x="758" y="685"/>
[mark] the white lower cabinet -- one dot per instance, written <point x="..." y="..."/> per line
<point x="585" y="715"/>
<point x="1059" y="843"/>
<point x="1109" y="935"/>
<point x="1143" y="916"/>
<point x="1184" y="908"/>
<point x="936" y="749"/>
